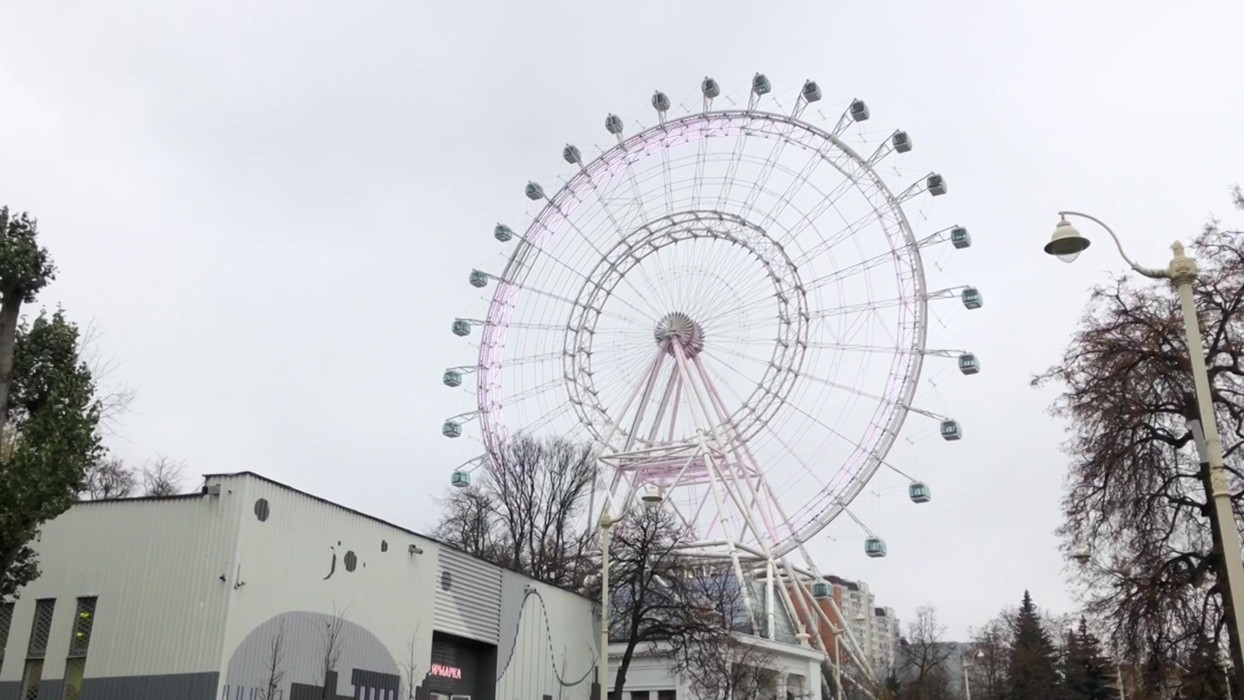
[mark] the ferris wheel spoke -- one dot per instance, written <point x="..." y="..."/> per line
<point x="870" y="349"/>
<point x="851" y="270"/>
<point x="848" y="309"/>
<point x="758" y="184"/>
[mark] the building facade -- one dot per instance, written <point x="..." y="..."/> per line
<point x="875" y="629"/>
<point x="782" y="671"/>
<point x="251" y="590"/>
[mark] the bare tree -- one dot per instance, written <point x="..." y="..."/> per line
<point x="331" y="646"/>
<point x="663" y="599"/>
<point x="412" y="670"/>
<point x="114" y="399"/>
<point x="923" y="668"/>
<point x="274" y="665"/>
<point x="1137" y="495"/>
<point x="109" y="478"/>
<point x="990" y="657"/>
<point x="468" y="522"/>
<point x="731" y="669"/>
<point x="534" y="496"/>
<point x="163" y="476"/>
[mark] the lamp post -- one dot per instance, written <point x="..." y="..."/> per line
<point x="967" y="686"/>
<point x="1066" y="244"/>
<point x="652" y="498"/>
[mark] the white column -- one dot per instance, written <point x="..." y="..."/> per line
<point x="780" y="690"/>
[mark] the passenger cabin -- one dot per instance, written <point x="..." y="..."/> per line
<point x="451" y="429"/>
<point x="936" y="184"/>
<point x="822" y="589"/>
<point x="460" y="479"/>
<point x="534" y="191"/>
<point x="710" y="88"/>
<point x="811" y="92"/>
<point x="951" y="430"/>
<point x="874" y="547"/>
<point x="660" y="101"/>
<point x="968" y="364"/>
<point x="462" y="327"/>
<point x="452" y="377"/>
<point x="919" y="492"/>
<point x="571" y="154"/>
<point x="613" y="124"/>
<point x="901" y="141"/>
<point x="503" y="233"/>
<point x="760" y="84"/>
<point x="479" y="279"/>
<point x="972" y="298"/>
<point x="858" y="110"/>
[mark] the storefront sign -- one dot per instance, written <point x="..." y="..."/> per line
<point x="447" y="671"/>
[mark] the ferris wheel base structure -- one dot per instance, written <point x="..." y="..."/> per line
<point x="731" y="307"/>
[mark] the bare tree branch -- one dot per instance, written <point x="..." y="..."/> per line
<point x="275" y="666"/>
<point x="1136" y="493"/>
<point x="109" y="478"/>
<point x="163" y="476"/>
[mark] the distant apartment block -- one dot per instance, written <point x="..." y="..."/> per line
<point x="875" y="629"/>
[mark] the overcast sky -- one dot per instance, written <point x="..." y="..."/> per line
<point x="269" y="210"/>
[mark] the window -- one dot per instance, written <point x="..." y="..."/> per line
<point x="6" y="619"/>
<point x="667" y="695"/>
<point x="639" y="695"/>
<point x="79" y="642"/>
<point x="40" y="630"/>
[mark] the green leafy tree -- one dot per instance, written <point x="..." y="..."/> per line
<point x="25" y="269"/>
<point x="1033" y="670"/>
<point x="49" y="416"/>
<point x="1087" y="675"/>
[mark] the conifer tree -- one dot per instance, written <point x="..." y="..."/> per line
<point x="1033" y="669"/>
<point x="1086" y="672"/>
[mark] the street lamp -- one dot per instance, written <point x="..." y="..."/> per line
<point x="1066" y="244"/>
<point x="967" y="687"/>
<point x="652" y="499"/>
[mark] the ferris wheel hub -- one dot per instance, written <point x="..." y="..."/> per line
<point x="679" y="329"/>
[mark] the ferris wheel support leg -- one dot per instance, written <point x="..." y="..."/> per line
<point x="724" y="418"/>
<point x="645" y="398"/>
<point x="767" y="552"/>
<point x="715" y="487"/>
<point x="613" y="425"/>
<point x="853" y="646"/>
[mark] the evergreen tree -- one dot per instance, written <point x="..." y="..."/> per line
<point x="1086" y="673"/>
<point x="1033" y="669"/>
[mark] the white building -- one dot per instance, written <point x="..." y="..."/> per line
<point x="185" y="598"/>
<point x="790" y="672"/>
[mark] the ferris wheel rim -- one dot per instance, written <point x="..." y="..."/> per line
<point x="907" y="363"/>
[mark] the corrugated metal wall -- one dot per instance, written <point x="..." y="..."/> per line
<point x="156" y="567"/>
<point x="468" y="597"/>
<point x="193" y="592"/>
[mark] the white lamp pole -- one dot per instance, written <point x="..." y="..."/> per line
<point x="652" y="498"/>
<point x="1067" y="244"/>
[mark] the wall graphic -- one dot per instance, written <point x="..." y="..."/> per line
<point x="290" y="651"/>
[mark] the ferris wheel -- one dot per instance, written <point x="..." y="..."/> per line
<point x="732" y="306"/>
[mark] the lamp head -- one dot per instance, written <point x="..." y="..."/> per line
<point x="1081" y="554"/>
<point x="1066" y="244"/>
<point x="652" y="496"/>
